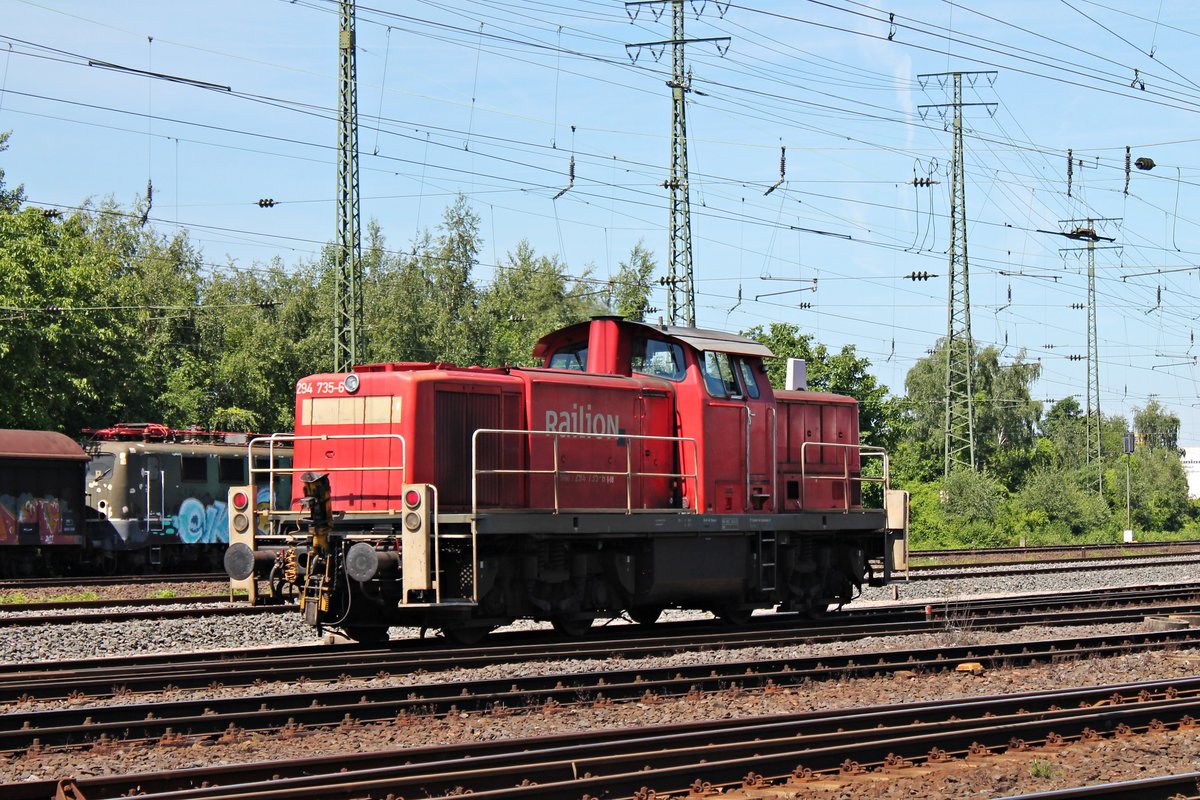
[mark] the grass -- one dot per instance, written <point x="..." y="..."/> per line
<point x="75" y="597"/>
<point x="1042" y="769"/>
<point x="164" y="594"/>
<point x="14" y="599"/>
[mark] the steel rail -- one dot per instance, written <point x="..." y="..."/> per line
<point x="713" y="754"/>
<point x="1185" y="786"/>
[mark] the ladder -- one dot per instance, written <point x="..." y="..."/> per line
<point x="768" y="559"/>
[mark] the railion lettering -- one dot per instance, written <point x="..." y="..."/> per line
<point x="581" y="419"/>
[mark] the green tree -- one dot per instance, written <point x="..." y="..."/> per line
<point x="530" y="296"/>
<point x="1155" y="426"/>
<point x="629" y="289"/>
<point x="1061" y="505"/>
<point x="68" y="339"/>
<point x="1063" y="444"/>
<point x="1006" y="415"/>
<point x="10" y="199"/>
<point x="397" y="300"/>
<point x="262" y="330"/>
<point x="454" y="332"/>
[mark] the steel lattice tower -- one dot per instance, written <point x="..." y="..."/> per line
<point x="1085" y="230"/>
<point x="681" y="292"/>
<point x="1093" y="370"/>
<point x="960" y="349"/>
<point x="349" y="342"/>
<point x="680" y="285"/>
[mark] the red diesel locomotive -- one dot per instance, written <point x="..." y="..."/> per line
<point x="639" y="468"/>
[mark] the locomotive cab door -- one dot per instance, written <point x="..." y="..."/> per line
<point x="154" y="482"/>
<point x="760" y="433"/>
<point x="739" y="434"/>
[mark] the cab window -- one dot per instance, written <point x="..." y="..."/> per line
<point x="194" y="469"/>
<point x="658" y="358"/>
<point x="719" y="377"/>
<point x="749" y="378"/>
<point x="573" y="356"/>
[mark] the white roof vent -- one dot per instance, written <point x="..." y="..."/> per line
<point x="797" y="374"/>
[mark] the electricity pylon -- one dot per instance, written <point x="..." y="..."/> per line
<point x="960" y="349"/>
<point x="349" y="343"/>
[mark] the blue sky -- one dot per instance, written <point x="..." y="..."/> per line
<point x="493" y="99"/>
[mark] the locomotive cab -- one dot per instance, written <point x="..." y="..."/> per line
<point x="640" y="468"/>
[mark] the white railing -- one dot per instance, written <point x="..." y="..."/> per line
<point x="557" y="473"/>
<point x="848" y="481"/>
<point x="280" y="439"/>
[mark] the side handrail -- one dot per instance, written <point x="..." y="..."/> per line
<point x="628" y="474"/>
<point x="848" y="480"/>
<point x="281" y="439"/>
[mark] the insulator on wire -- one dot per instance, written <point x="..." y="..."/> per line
<point x="920" y="276"/>
<point x="266" y="202"/>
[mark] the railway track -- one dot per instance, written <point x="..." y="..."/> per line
<point x="784" y="750"/>
<point x="94" y="612"/>
<point x="128" y="677"/>
<point x="1065" y="550"/>
<point x="978" y="569"/>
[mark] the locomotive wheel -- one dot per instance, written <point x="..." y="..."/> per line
<point x="733" y="615"/>
<point x="645" y="615"/>
<point x="366" y="634"/>
<point x="465" y="633"/>
<point x="818" y="611"/>
<point x="574" y="628"/>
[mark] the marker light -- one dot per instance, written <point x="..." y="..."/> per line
<point x="412" y="498"/>
<point x="240" y="500"/>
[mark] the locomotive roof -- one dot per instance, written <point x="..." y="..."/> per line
<point x="39" y="444"/>
<point x="699" y="338"/>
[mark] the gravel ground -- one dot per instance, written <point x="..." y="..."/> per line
<point x="1032" y="583"/>
<point x="1090" y="763"/>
